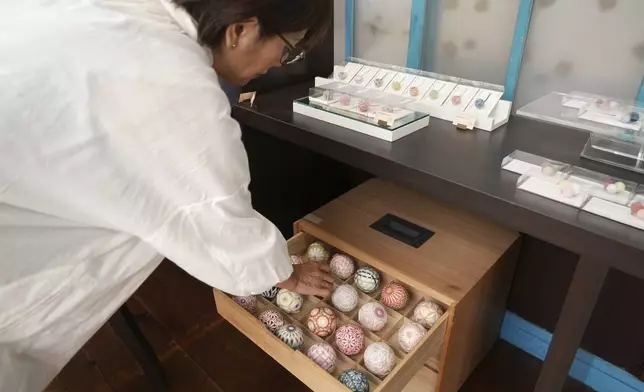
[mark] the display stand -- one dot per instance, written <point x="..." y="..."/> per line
<point x="614" y="138"/>
<point x="610" y="197"/>
<point x="378" y="114"/>
<point x="466" y="103"/>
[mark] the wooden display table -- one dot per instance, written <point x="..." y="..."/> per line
<point x="466" y="266"/>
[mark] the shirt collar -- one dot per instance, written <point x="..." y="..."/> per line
<point x="182" y="18"/>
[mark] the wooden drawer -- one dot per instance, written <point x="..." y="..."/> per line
<point x="467" y="266"/>
<point x="307" y="371"/>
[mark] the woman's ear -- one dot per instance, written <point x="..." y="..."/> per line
<point x="240" y="31"/>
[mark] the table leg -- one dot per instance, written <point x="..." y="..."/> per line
<point x="126" y="328"/>
<point x="575" y="314"/>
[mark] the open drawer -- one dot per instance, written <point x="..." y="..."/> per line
<point x="306" y="370"/>
<point x="465" y="265"/>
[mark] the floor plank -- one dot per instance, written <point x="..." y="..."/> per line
<point x="183" y="304"/>
<point x="182" y="372"/>
<point x="80" y="375"/>
<point x="238" y="365"/>
<point x="112" y="356"/>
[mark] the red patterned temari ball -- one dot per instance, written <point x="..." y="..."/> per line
<point x="248" y="302"/>
<point x="322" y="322"/>
<point x="350" y="339"/>
<point x="394" y="295"/>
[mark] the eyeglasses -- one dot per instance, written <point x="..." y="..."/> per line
<point x="291" y="54"/>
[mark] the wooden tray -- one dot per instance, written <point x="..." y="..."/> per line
<point x="306" y="370"/>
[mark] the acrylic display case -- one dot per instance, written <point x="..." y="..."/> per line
<point x="616" y="138"/>
<point x="521" y="162"/>
<point x="362" y="110"/>
<point x="600" y="194"/>
<point x="467" y="103"/>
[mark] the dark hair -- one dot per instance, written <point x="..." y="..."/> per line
<point x="275" y="17"/>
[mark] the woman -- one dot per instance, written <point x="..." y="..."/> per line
<point x="117" y="149"/>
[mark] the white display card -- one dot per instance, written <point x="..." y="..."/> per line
<point x="465" y="92"/>
<point x="385" y="76"/>
<point x="443" y="90"/>
<point x="399" y="83"/>
<point x="490" y="97"/>
<point x="351" y="69"/>
<point x="520" y="167"/>
<point x="364" y="76"/>
<point x="617" y="212"/>
<point x="575" y="104"/>
<point x="552" y="191"/>
<point x="610" y="119"/>
<point x="422" y="84"/>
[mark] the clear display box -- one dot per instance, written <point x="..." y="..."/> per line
<point x="521" y="162"/>
<point x="630" y="212"/>
<point x="617" y="135"/>
<point x="600" y="194"/>
<point x="366" y="111"/>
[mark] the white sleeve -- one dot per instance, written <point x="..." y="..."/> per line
<point x="164" y="161"/>
<point x="188" y="157"/>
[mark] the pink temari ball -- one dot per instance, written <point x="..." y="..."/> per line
<point x="295" y="259"/>
<point x="350" y="339"/>
<point x="427" y="313"/>
<point x="323" y="355"/>
<point x="342" y="266"/>
<point x="373" y="316"/>
<point x="322" y="322"/>
<point x="248" y="302"/>
<point x="394" y="295"/>
<point x="379" y="358"/>
<point x="410" y="335"/>
<point x="271" y="319"/>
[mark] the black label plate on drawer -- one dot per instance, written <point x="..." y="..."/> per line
<point x="402" y="230"/>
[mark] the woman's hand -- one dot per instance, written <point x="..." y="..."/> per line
<point x="309" y="279"/>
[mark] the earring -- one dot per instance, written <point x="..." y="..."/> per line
<point x="234" y="46"/>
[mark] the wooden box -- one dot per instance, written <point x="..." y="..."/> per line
<point x="466" y="266"/>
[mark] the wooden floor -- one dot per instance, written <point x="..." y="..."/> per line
<point x="201" y="352"/>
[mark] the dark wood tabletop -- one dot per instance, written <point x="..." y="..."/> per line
<point x="464" y="168"/>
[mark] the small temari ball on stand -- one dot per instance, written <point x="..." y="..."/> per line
<point x="289" y="301"/>
<point x="295" y="259"/>
<point x="350" y="339"/>
<point x="409" y="335"/>
<point x="323" y="355"/>
<point x="345" y="298"/>
<point x="373" y="316"/>
<point x="292" y="335"/>
<point x="271" y="293"/>
<point x="342" y="266"/>
<point x="394" y="295"/>
<point x="248" y="302"/>
<point x="322" y="322"/>
<point x="317" y="252"/>
<point x="637" y="209"/>
<point x="367" y="279"/>
<point x="379" y="358"/>
<point x="427" y="313"/>
<point x="354" y="381"/>
<point x="271" y="319"/>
